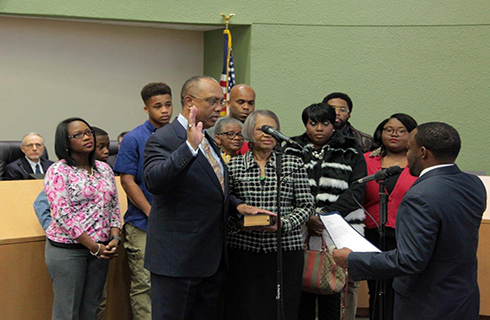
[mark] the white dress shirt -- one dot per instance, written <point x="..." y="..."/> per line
<point x="435" y="167"/>
<point x="33" y="165"/>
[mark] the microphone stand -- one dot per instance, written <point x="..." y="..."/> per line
<point x="383" y="218"/>
<point x="279" y="282"/>
<point x="279" y="294"/>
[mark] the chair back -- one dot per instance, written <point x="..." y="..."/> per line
<point x="113" y="149"/>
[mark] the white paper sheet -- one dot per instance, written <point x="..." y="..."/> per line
<point x="344" y="235"/>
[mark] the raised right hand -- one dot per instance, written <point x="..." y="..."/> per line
<point x="194" y="132"/>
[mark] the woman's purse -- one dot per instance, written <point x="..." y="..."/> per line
<point x="321" y="275"/>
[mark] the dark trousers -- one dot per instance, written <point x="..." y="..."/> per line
<point x="78" y="280"/>
<point x="250" y="292"/>
<point x="185" y="298"/>
<point x="390" y="243"/>
<point x="328" y="306"/>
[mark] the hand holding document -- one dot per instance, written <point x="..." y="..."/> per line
<point x="344" y="235"/>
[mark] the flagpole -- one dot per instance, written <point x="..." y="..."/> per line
<point x="225" y="76"/>
<point x="227" y="19"/>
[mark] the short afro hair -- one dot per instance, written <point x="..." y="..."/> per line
<point x="441" y="139"/>
<point x="339" y="95"/>
<point x="154" y="89"/>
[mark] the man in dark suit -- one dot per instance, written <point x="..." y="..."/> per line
<point x="33" y="148"/>
<point x="186" y="243"/>
<point x="435" y="264"/>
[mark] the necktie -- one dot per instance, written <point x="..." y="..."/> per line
<point x="214" y="163"/>
<point x="38" y="169"/>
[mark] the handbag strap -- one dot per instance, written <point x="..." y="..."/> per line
<point x="344" y="298"/>
<point x="307" y="243"/>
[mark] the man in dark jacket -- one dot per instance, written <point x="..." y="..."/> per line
<point x="437" y="225"/>
<point x="342" y="104"/>
<point x="33" y="148"/>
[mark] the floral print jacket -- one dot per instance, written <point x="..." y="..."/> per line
<point x="81" y="202"/>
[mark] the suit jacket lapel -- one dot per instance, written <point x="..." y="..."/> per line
<point x="201" y="158"/>
<point x="26" y="165"/>
<point x="44" y="164"/>
<point x="179" y="129"/>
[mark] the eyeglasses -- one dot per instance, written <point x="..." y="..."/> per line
<point x="32" y="145"/>
<point x="80" y="135"/>
<point x="341" y="109"/>
<point x="400" y="131"/>
<point x="212" y="102"/>
<point x="231" y="134"/>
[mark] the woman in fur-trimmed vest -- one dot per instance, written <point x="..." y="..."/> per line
<point x="333" y="161"/>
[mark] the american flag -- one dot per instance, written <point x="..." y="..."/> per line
<point x="227" y="80"/>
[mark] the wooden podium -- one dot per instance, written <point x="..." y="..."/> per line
<point x="24" y="280"/>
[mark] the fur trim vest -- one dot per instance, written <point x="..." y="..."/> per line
<point x="330" y="172"/>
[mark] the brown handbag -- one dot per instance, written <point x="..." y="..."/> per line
<point x="321" y="275"/>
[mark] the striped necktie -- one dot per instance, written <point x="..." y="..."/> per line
<point x="214" y="163"/>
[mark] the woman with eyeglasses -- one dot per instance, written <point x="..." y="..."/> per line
<point x="251" y="283"/>
<point x="229" y="137"/>
<point x="84" y="232"/>
<point x="391" y="138"/>
<point x="333" y="162"/>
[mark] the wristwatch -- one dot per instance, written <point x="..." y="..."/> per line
<point x="118" y="238"/>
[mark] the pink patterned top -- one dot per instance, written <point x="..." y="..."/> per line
<point x="81" y="202"/>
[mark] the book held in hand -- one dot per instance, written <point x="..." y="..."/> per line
<point x="258" y="220"/>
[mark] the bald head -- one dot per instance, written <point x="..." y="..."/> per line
<point x="242" y="101"/>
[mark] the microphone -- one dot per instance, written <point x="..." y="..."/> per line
<point x="276" y="134"/>
<point x="381" y="174"/>
<point x="22" y="167"/>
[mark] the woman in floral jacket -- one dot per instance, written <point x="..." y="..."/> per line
<point x="84" y="232"/>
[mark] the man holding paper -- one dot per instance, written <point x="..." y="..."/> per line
<point x="435" y="264"/>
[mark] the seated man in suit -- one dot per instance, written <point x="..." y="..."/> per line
<point x="33" y="148"/>
<point x="437" y="225"/>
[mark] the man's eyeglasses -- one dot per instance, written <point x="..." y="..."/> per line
<point x="212" y="102"/>
<point x="32" y="145"/>
<point x="341" y="109"/>
<point x="399" y="132"/>
<point x="231" y="134"/>
<point x="80" y="135"/>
